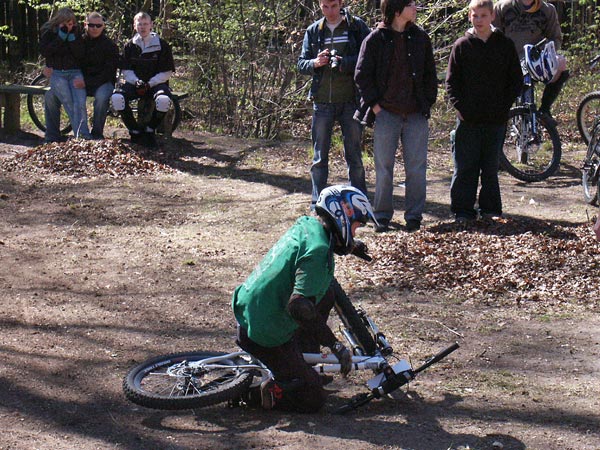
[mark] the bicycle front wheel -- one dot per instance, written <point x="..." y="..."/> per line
<point x="587" y="112"/>
<point x="35" y="108"/>
<point x="591" y="168"/>
<point x="530" y="155"/>
<point x="174" y="382"/>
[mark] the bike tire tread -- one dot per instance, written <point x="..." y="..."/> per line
<point x="231" y="391"/>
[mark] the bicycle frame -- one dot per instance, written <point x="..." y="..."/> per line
<point x="527" y="100"/>
<point x="322" y="363"/>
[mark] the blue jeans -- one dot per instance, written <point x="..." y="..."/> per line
<point x="475" y="153"/>
<point x="52" y="110"/>
<point x="73" y="100"/>
<point x="101" y="104"/>
<point x="324" y="117"/>
<point x="413" y="132"/>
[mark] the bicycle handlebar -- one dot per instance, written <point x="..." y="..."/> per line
<point x="394" y="381"/>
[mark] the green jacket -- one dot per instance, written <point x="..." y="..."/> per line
<point x="301" y="263"/>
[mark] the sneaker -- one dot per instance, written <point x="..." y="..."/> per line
<point x="463" y="220"/>
<point x="270" y="392"/>
<point x="136" y="138"/>
<point x="149" y="140"/>
<point x="413" y="225"/>
<point x="491" y="216"/>
<point x="547" y="118"/>
<point x="383" y="225"/>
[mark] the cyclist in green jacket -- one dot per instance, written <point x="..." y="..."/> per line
<point x="287" y="295"/>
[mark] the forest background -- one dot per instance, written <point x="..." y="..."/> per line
<point x="237" y="58"/>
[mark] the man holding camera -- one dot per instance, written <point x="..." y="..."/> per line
<point x="147" y="66"/>
<point x="329" y="53"/>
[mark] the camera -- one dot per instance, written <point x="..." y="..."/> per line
<point x="333" y="59"/>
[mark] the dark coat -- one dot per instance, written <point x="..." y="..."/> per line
<point x="59" y="54"/>
<point x="372" y="69"/>
<point x="483" y="78"/>
<point x="99" y="62"/>
<point x="146" y="64"/>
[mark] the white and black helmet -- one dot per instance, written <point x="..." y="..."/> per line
<point x="542" y="65"/>
<point x="329" y="207"/>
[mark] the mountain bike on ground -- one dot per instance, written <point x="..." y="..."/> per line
<point x="532" y="147"/>
<point x="589" y="109"/>
<point x="196" y="379"/>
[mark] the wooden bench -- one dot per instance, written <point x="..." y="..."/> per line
<point x="10" y="100"/>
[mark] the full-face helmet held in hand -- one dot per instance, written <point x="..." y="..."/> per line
<point x="542" y="65"/>
<point x="340" y="206"/>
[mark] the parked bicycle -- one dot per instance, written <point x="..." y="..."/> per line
<point x="532" y="147"/>
<point x="589" y="109"/>
<point x="590" y="172"/>
<point x="35" y="107"/>
<point x="202" y="378"/>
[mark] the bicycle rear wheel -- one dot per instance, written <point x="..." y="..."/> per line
<point x="587" y="112"/>
<point x="35" y="108"/>
<point x="352" y="320"/>
<point x="591" y="168"/>
<point x="527" y="155"/>
<point x="169" y="382"/>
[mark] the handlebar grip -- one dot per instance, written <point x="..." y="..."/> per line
<point x="441" y="355"/>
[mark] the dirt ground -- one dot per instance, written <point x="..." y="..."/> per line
<point x="99" y="273"/>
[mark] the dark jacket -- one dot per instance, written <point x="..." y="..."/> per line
<point x="61" y="54"/>
<point x="314" y="43"/>
<point x="371" y="74"/>
<point x="155" y="58"/>
<point x="483" y="78"/>
<point x="99" y="62"/>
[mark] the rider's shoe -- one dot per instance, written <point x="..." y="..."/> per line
<point x="136" y="138"/>
<point x="269" y="393"/>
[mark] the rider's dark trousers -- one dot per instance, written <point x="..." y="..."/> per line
<point x="302" y="387"/>
<point x="475" y="153"/>
<point x="130" y="94"/>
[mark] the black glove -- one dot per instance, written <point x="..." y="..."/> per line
<point x="344" y="357"/>
<point x="360" y="249"/>
<point x="64" y="29"/>
<point x="141" y="88"/>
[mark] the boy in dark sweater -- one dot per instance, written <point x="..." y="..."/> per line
<point x="484" y="77"/>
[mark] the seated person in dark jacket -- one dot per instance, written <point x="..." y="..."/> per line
<point x="147" y="66"/>
<point x="99" y="68"/>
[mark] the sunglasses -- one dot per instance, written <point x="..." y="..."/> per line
<point x="95" y="25"/>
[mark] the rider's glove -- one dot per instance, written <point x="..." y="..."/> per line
<point x="141" y="88"/>
<point x="360" y="249"/>
<point x="344" y="357"/>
